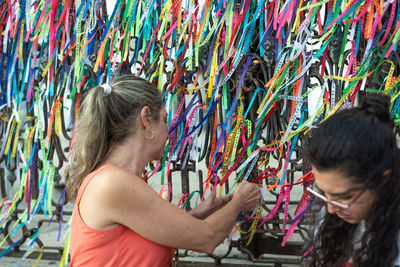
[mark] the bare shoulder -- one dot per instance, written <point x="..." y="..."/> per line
<point x="113" y="176"/>
<point x="109" y="192"/>
<point x="113" y="182"/>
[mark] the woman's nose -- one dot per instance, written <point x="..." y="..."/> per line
<point x="332" y="208"/>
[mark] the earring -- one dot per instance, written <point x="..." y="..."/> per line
<point x="148" y="136"/>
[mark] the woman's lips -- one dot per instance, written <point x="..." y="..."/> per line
<point x="343" y="217"/>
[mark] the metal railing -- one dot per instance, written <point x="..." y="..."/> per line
<point x="261" y="69"/>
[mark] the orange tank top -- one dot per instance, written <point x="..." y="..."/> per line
<point x="116" y="247"/>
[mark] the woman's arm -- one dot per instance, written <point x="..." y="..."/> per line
<point x="116" y="196"/>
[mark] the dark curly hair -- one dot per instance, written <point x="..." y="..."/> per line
<point x="361" y="144"/>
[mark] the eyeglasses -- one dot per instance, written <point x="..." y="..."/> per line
<point x="336" y="203"/>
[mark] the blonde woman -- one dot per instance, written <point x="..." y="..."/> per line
<point x="118" y="219"/>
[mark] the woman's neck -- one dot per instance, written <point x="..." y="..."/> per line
<point x="130" y="156"/>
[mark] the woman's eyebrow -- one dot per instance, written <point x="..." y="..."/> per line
<point x="341" y="194"/>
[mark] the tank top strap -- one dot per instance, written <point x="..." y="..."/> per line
<point x="86" y="181"/>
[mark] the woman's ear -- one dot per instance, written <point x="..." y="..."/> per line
<point x="145" y="117"/>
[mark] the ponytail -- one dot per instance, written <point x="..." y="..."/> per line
<point x="107" y="117"/>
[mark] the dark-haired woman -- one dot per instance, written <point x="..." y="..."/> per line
<point x="356" y="163"/>
<point x="118" y="220"/>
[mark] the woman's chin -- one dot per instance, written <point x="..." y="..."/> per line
<point x="348" y="219"/>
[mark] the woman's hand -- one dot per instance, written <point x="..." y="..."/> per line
<point x="211" y="204"/>
<point x="248" y="196"/>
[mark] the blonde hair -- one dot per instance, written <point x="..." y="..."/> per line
<point x="105" y="120"/>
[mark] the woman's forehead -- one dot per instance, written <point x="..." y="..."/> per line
<point x="334" y="182"/>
